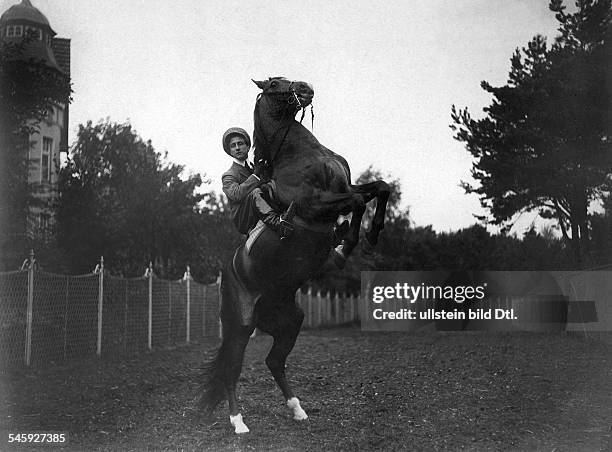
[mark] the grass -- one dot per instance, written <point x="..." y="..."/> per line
<point x="389" y="391"/>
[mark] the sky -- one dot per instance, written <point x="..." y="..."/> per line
<point x="385" y="76"/>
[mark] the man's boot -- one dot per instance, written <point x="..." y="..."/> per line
<point x="271" y="218"/>
<point x="286" y="227"/>
<point x="278" y="224"/>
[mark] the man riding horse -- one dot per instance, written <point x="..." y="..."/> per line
<point x="259" y="283"/>
<point x="248" y="190"/>
<point x="250" y="193"/>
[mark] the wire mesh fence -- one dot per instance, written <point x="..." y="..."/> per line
<point x="63" y="318"/>
<point x="50" y="318"/>
<point x="13" y="317"/>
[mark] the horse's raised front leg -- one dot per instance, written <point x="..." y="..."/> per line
<point x="355" y="204"/>
<point x="380" y="190"/>
<point x="283" y="325"/>
<point x="332" y="204"/>
<point x="352" y="236"/>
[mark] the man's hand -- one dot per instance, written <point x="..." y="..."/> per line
<point x="261" y="169"/>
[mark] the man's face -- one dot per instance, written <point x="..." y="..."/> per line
<point x="238" y="148"/>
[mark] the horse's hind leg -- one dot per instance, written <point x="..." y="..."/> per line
<point x="236" y="339"/>
<point x="284" y="326"/>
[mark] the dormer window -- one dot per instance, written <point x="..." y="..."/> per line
<point x="36" y="32"/>
<point x="14" y="31"/>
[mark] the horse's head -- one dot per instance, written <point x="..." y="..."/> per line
<point x="295" y="94"/>
<point x="274" y="115"/>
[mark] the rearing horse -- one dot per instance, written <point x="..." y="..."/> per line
<point x="258" y="286"/>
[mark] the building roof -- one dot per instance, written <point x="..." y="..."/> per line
<point x="26" y="12"/>
<point x="38" y="49"/>
<point x="61" y="51"/>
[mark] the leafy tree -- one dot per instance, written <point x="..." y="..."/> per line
<point x="393" y="203"/>
<point x="28" y="90"/>
<point x="119" y="198"/>
<point x="397" y="221"/>
<point x="217" y="238"/>
<point x="601" y="235"/>
<point x="546" y="140"/>
<point x="390" y="245"/>
<point x="405" y="247"/>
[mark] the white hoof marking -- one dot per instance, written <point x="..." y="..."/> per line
<point x="298" y="413"/>
<point x="239" y="425"/>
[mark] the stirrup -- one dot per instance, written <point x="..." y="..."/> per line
<point x="286" y="228"/>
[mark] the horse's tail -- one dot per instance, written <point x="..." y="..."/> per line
<point x="214" y="375"/>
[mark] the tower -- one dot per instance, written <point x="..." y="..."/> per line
<point x="25" y="23"/>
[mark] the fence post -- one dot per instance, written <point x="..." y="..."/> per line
<point x="169" y="312"/>
<point x="149" y="274"/>
<point x="66" y="320"/>
<point x="337" y="318"/>
<point x="325" y="308"/>
<point x="309" y="303"/>
<point x="219" y="303"/>
<point x="347" y="308"/>
<point x="187" y="278"/>
<point x="30" y="312"/>
<point x="352" y="307"/>
<point x="125" y="317"/>
<point x="100" y="271"/>
<point x="319" y="309"/>
<point x="204" y="311"/>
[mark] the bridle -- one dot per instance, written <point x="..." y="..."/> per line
<point x="294" y="99"/>
<point x="297" y="100"/>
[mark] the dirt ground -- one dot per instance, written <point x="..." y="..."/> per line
<point x="363" y="391"/>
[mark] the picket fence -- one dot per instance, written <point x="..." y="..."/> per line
<point x="50" y="318"/>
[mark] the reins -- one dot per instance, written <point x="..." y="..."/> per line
<point x="269" y="158"/>
<point x="299" y="104"/>
<point x="311" y="116"/>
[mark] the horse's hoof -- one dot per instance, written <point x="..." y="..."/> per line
<point x="240" y="429"/>
<point x="300" y="416"/>
<point x="239" y="425"/>
<point x="298" y="413"/>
